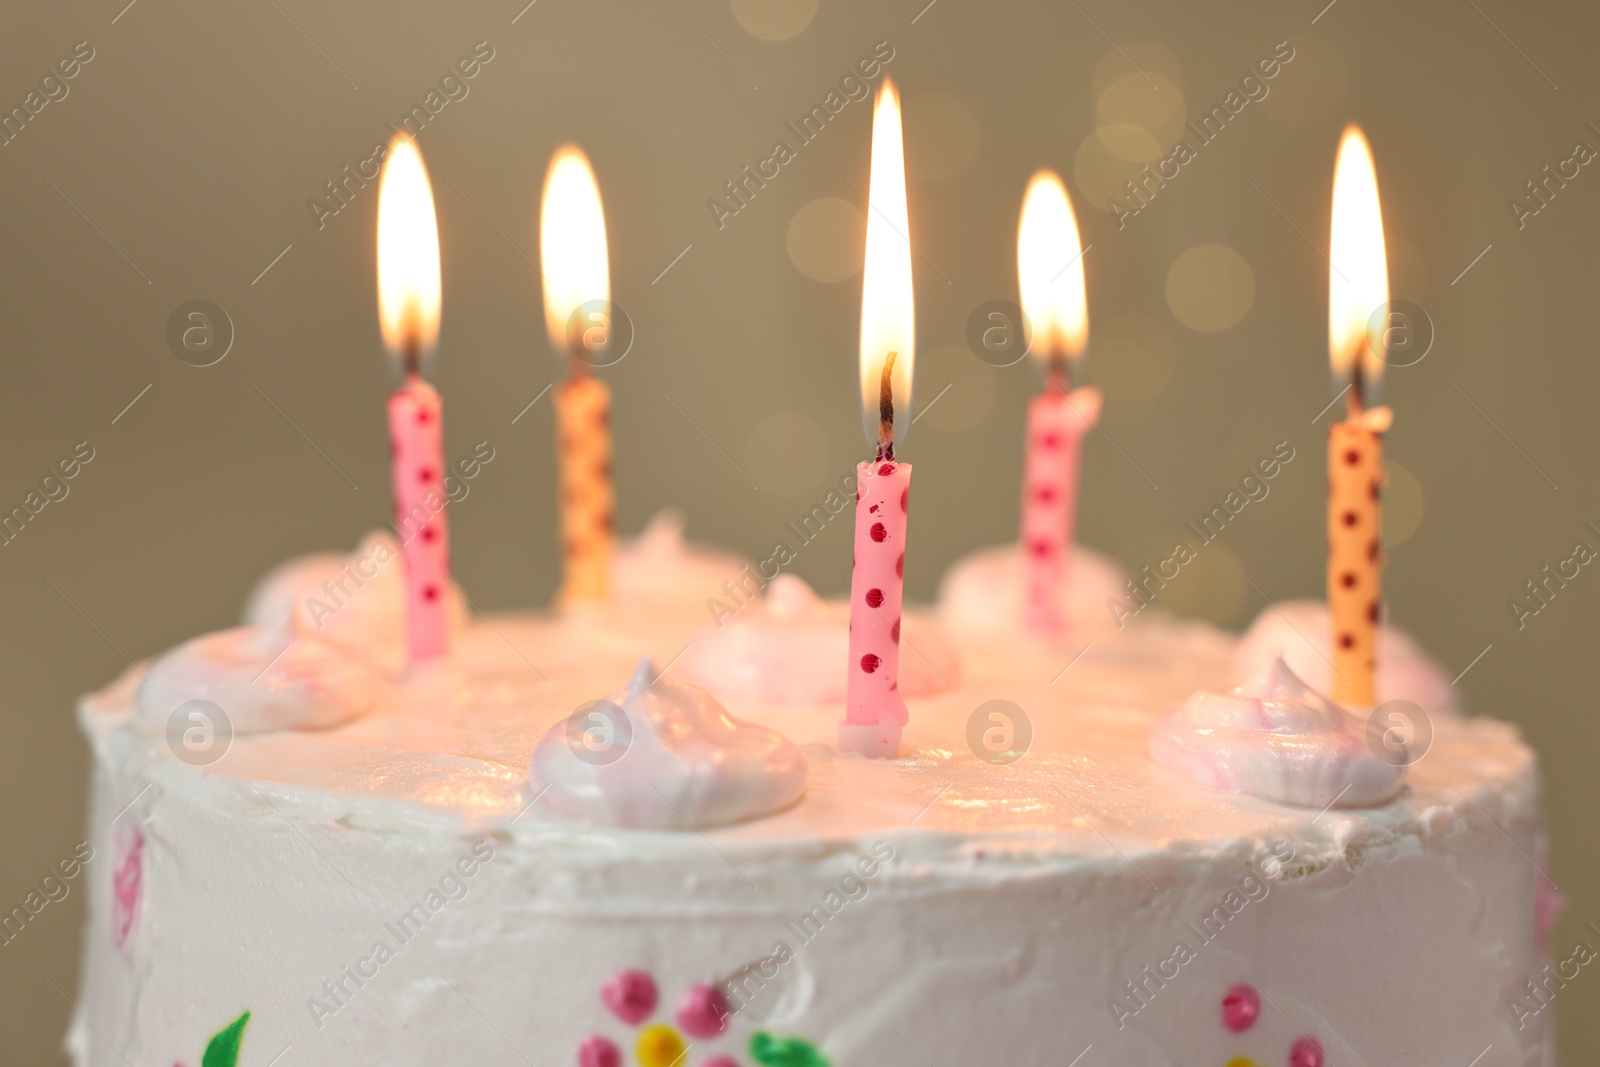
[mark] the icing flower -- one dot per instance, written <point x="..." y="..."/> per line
<point x="702" y="1012"/>
<point x="662" y="755"/>
<point x="984" y="594"/>
<point x="1300" y="631"/>
<point x="126" y="881"/>
<point x="1241" y="1006"/>
<point x="662" y="574"/>
<point x="355" y="602"/>
<point x="792" y="646"/>
<point x="1275" y="737"/>
<point x="263" y="677"/>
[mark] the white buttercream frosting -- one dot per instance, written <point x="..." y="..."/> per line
<point x="1299" y="631"/>
<point x="982" y="593"/>
<point x="791" y="646"/>
<point x="327" y="842"/>
<point x="663" y="755"/>
<point x="1276" y="737"/>
<point x="262" y="678"/>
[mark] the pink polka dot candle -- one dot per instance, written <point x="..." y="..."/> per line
<point x="874" y="710"/>
<point x="1050" y="280"/>
<point x="408" y="310"/>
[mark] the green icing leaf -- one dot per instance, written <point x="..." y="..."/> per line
<point x="223" y="1050"/>
<point x="772" y="1051"/>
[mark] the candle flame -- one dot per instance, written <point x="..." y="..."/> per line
<point x="1050" y="270"/>
<point x="888" y="309"/>
<point x="572" y="242"/>
<point x="408" y="253"/>
<point x="1358" y="284"/>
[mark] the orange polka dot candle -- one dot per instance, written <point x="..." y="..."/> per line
<point x="577" y="308"/>
<point x="1050" y="281"/>
<point x="875" y="713"/>
<point x="408" y="310"/>
<point x="583" y="447"/>
<point x="1358" y="290"/>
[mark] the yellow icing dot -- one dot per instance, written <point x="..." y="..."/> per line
<point x="660" y="1046"/>
<point x="1241" y="1061"/>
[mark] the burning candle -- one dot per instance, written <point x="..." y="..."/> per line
<point x="1050" y="280"/>
<point x="408" y="309"/>
<point x="1358" y="289"/>
<point x="874" y="710"/>
<point x="577" y="309"/>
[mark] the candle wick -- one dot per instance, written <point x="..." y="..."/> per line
<point x="886" y="410"/>
<point x="1056" y="380"/>
<point x="1355" y="399"/>
<point x="412" y="354"/>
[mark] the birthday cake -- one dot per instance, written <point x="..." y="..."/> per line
<point x="699" y="816"/>
<point x="554" y="846"/>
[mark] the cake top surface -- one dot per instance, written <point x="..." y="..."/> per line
<point x="446" y="748"/>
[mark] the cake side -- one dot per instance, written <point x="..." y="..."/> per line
<point x="895" y="904"/>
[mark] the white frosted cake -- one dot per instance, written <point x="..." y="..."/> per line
<point x="474" y="863"/>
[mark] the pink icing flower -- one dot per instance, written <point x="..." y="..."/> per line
<point x="126" y="881"/>
<point x="1549" y="903"/>
<point x="1306" y="1052"/>
<point x="1241" y="1007"/>
<point x="701" y="1014"/>
<point x="631" y="995"/>
<point x="703" y="1011"/>
<point x="599" y="1052"/>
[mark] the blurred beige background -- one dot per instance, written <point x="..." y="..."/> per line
<point x="179" y="165"/>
